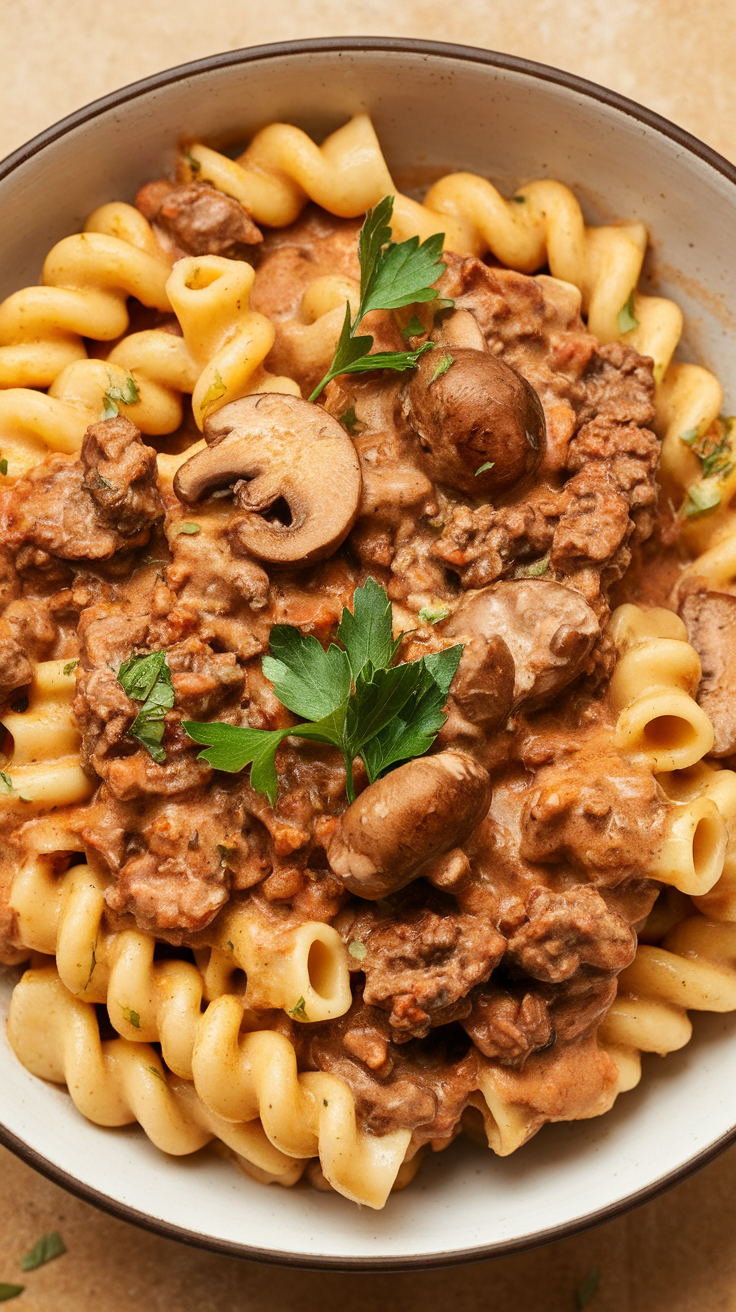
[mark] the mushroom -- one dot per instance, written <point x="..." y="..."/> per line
<point x="478" y="412"/>
<point x="549" y="630"/>
<point x="483" y="687"/>
<point x="402" y="823"/>
<point x="278" y="451"/>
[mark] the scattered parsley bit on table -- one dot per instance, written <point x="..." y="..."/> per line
<point x="392" y="275"/>
<point x="587" y="1288"/>
<point x="351" y="696"/>
<point x="9" y="1291"/>
<point x="44" y="1250"/>
<point x="147" y="679"/>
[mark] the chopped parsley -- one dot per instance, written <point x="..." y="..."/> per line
<point x="357" y="949"/>
<point x="189" y="529"/>
<point x="299" y="1012"/>
<point x="433" y="614"/>
<point x="9" y="1291"/>
<point x="133" y="1017"/>
<point x="116" y="396"/>
<point x="45" y="1250"/>
<point x="482" y="468"/>
<point x="518" y="200"/>
<point x="700" y="499"/>
<point x="70" y="666"/>
<point x="444" y="364"/>
<point x="7" y="782"/>
<point x="714" y="450"/>
<point x="194" y="164"/>
<point x="391" y="276"/>
<point x="351" y="696"/>
<point x="626" y="317"/>
<point x="215" y="392"/>
<point x="147" y="679"/>
<point x="414" y="328"/>
<point x="533" y="571"/>
<point x="3" y="466"/>
<point x="349" y="420"/>
<point x="587" y="1288"/>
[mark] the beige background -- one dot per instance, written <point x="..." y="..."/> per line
<point x="678" y="1253"/>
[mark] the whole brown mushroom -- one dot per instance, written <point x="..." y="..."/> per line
<point x="403" y="822"/>
<point x="478" y="412"/>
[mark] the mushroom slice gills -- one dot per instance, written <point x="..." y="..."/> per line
<point x="275" y="449"/>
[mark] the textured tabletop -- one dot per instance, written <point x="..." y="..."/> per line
<point x="677" y="1254"/>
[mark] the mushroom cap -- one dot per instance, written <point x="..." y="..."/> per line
<point x="548" y="628"/>
<point x="479" y="411"/>
<point x="401" y="823"/>
<point x="271" y="447"/>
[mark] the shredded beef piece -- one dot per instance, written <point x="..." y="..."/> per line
<point x="601" y="813"/>
<point x="197" y="219"/>
<point x="121" y="476"/>
<point x="420" y="965"/>
<point x="565" y="931"/>
<point x="710" y="618"/>
<point x="27" y="633"/>
<point x="420" y="1088"/>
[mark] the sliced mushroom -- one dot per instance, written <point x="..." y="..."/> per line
<point x="272" y="448"/>
<point x="403" y="822"/>
<point x="478" y="411"/>
<point x="548" y="628"/>
<point x="711" y="628"/>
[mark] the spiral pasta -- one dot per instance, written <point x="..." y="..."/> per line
<point x="44" y="766"/>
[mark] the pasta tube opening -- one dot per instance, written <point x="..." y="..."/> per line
<point x="694" y="847"/>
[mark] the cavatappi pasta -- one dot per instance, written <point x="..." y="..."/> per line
<point x="488" y="937"/>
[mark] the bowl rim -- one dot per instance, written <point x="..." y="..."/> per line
<point x="590" y="91"/>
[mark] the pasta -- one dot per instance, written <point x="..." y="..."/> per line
<point x="372" y="913"/>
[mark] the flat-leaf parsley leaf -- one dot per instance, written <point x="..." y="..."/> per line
<point x="392" y="275"/>
<point x="147" y="679"/>
<point x="351" y="696"/>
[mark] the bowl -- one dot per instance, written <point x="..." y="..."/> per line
<point x="436" y="108"/>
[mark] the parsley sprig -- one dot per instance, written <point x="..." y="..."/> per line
<point x="351" y="696"/>
<point x="147" y="679"/>
<point x="392" y="275"/>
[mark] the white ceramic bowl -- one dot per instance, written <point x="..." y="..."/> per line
<point x="441" y="108"/>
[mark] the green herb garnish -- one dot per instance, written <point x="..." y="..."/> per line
<point x="215" y="390"/>
<point x="9" y="1291"/>
<point x="433" y="614"/>
<point x="700" y="499"/>
<point x="482" y="468"/>
<point x="116" y="396"/>
<point x="445" y="363"/>
<point x="587" y="1288"/>
<point x="189" y="529"/>
<point x="350" y="421"/>
<point x="626" y="317"/>
<point x="518" y="200"/>
<point x="533" y="571"/>
<point x="715" y="451"/>
<point x="193" y="163"/>
<point x="690" y="436"/>
<point x="147" y="679"/>
<point x="3" y="466"/>
<point x="357" y="949"/>
<point x="299" y="1012"/>
<point x="414" y="328"/>
<point x="352" y="697"/>
<point x="7" y="782"/>
<point x="45" y="1250"/>
<point x="133" y="1017"/>
<point x="70" y="666"/>
<point x="391" y="275"/>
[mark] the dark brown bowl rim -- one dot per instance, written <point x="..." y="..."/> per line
<point x="582" y="87"/>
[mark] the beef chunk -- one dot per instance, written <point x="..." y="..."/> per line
<point x="420" y="966"/>
<point x="72" y="509"/>
<point x="419" y="1087"/>
<point x="711" y="628"/>
<point x="196" y="219"/>
<point x="565" y="931"/>
<point x="506" y="1026"/>
<point x="619" y="384"/>
<point x="120" y="474"/>
<point x="597" y="811"/>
